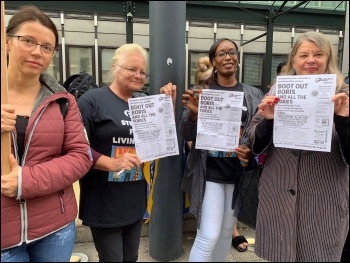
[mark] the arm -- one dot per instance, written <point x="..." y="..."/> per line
<point x="187" y="127"/>
<point x="341" y="121"/>
<point x="63" y="163"/>
<point x="101" y="161"/>
<point x="260" y="129"/>
<point x="124" y="162"/>
<point x="342" y="128"/>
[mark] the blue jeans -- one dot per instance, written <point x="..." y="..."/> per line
<point x="56" y="247"/>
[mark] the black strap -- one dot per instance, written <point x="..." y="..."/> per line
<point x="63" y="106"/>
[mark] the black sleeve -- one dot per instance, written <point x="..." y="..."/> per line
<point x="263" y="134"/>
<point x="342" y="128"/>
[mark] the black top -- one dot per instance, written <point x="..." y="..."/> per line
<point x="221" y="166"/>
<point x="106" y="201"/>
<point x="21" y="125"/>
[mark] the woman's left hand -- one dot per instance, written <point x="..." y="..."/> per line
<point x="169" y="89"/>
<point x="243" y="154"/>
<point x="9" y="182"/>
<point x="341" y="104"/>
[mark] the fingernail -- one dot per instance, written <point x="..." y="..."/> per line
<point x="262" y="109"/>
<point x="269" y="102"/>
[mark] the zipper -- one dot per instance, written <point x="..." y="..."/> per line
<point x="23" y="218"/>
<point x="61" y="193"/>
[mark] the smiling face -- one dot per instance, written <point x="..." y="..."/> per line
<point x="226" y="66"/>
<point x="309" y="59"/>
<point x="126" y="79"/>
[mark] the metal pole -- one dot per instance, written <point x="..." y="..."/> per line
<point x="167" y="22"/>
<point x="266" y="80"/>
<point x="129" y="22"/>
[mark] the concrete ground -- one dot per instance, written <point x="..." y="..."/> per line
<point x="84" y="249"/>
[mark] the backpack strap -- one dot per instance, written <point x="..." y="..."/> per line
<point x="63" y="103"/>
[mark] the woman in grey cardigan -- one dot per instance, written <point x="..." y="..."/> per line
<point x="303" y="212"/>
<point x="210" y="176"/>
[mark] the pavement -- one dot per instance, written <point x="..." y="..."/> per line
<point x="84" y="249"/>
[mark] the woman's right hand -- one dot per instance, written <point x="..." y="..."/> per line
<point x="8" y="118"/>
<point x="190" y="100"/>
<point x="267" y="107"/>
<point x="125" y="162"/>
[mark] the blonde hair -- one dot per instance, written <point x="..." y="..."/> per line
<point x="324" y="44"/>
<point x="121" y="54"/>
<point x="204" y="71"/>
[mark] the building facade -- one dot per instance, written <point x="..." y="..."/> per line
<point x="89" y="35"/>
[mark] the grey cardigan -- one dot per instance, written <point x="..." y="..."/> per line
<point x="195" y="169"/>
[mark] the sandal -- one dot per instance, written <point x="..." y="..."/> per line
<point x="236" y="241"/>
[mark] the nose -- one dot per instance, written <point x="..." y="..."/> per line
<point x="310" y="59"/>
<point x="36" y="49"/>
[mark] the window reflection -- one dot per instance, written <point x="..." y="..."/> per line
<point x="80" y="59"/>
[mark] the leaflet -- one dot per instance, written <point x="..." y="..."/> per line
<point x="303" y="117"/>
<point x="219" y="120"/>
<point x="153" y="126"/>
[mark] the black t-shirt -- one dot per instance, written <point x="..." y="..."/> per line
<point x="221" y="166"/>
<point x="21" y="125"/>
<point x="106" y="201"/>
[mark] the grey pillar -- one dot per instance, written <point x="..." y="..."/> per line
<point x="167" y="23"/>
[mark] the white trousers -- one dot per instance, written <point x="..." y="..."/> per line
<point x="213" y="240"/>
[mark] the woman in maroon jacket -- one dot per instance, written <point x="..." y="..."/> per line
<point x="49" y="149"/>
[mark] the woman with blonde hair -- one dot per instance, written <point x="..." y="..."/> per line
<point x="112" y="204"/>
<point x="303" y="212"/>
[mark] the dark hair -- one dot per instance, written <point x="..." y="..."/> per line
<point x="212" y="52"/>
<point x="30" y="13"/>
<point x="280" y="66"/>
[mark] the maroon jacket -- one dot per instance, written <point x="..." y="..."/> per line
<point x="58" y="154"/>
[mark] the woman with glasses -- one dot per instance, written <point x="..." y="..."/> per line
<point x="210" y="176"/>
<point x="113" y="195"/>
<point x="303" y="212"/>
<point x="49" y="152"/>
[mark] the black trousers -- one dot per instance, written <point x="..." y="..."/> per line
<point x="118" y="244"/>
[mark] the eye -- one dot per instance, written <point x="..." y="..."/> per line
<point x="48" y="49"/>
<point x="233" y="52"/>
<point x="221" y="54"/>
<point x="133" y="70"/>
<point x="28" y="41"/>
<point x="142" y="73"/>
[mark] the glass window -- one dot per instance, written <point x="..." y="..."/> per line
<point x="277" y="59"/>
<point x="194" y="56"/>
<point x="54" y="68"/>
<point x="106" y="63"/>
<point x="80" y="59"/>
<point x="252" y="69"/>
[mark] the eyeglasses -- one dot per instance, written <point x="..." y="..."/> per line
<point x="134" y="71"/>
<point x="223" y="54"/>
<point x="29" y="44"/>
